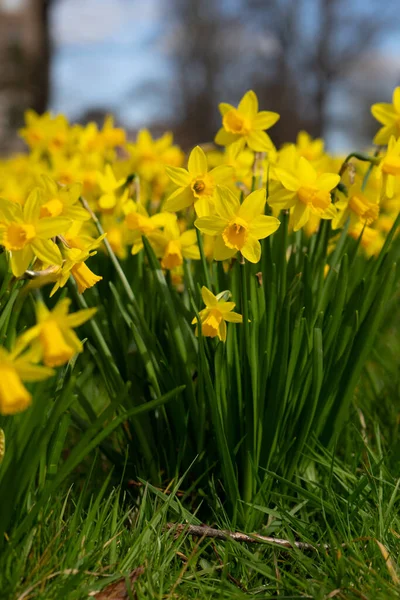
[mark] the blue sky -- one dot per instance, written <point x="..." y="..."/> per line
<point x="111" y="54"/>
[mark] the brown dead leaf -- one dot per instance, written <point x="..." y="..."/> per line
<point x="117" y="590"/>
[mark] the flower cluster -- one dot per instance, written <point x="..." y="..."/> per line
<point x="78" y="184"/>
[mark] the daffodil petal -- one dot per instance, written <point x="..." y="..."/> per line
<point x="306" y="172"/>
<point x="253" y="205"/>
<point x="47" y="251"/>
<point x="265" y="119"/>
<point x="282" y="199"/>
<point x="211" y="225"/>
<point x="208" y="297"/>
<point x="289" y="181"/>
<point x="252" y="249"/>
<point x="263" y="226"/>
<point x="197" y="163"/>
<point x="259" y="141"/>
<point x="225" y="138"/>
<point x="248" y="104"/>
<point x="384" y="113"/>
<point x="222" y="173"/>
<point x="226" y="202"/>
<point x="178" y="175"/>
<point x="181" y="198"/>
<point x="51" y="226"/>
<point x="301" y="214"/>
<point x="328" y="181"/>
<point x="222" y="252"/>
<point x="233" y="317"/>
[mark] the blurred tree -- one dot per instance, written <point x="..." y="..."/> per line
<point x="294" y="54"/>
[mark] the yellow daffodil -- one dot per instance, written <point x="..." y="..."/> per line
<point x="217" y="311"/>
<point x="238" y="227"/>
<point x="389" y="166"/>
<point x="196" y="184"/>
<point x="16" y="367"/>
<point x="389" y="116"/>
<point x="45" y="133"/>
<point x="109" y="185"/>
<point x="306" y="191"/>
<point x="149" y="156"/>
<point x="25" y="235"/>
<point x="172" y="246"/>
<point x="75" y="265"/>
<point x="360" y="206"/>
<point x="311" y="149"/>
<point x="53" y="334"/>
<point x="61" y="200"/>
<point x="245" y="125"/>
<point x="138" y="220"/>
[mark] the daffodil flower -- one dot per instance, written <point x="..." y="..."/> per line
<point x="389" y="116"/>
<point x="26" y="235"/>
<point x="109" y="185"/>
<point x="306" y="191"/>
<point x="361" y="206"/>
<point x="75" y="265"/>
<point x="15" y="368"/>
<point x="389" y="166"/>
<point x="246" y="125"/>
<point x="53" y="334"/>
<point x="213" y="317"/>
<point x="238" y="227"/>
<point x="172" y="246"/>
<point x="196" y="184"/>
<point x="61" y="200"/>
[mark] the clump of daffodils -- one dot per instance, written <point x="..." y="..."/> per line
<point x="75" y="179"/>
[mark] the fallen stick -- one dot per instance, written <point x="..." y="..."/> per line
<point x="221" y="534"/>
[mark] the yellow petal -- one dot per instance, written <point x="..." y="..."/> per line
<point x="252" y="249"/>
<point x="222" y="174"/>
<point x="20" y="260"/>
<point x="396" y="99"/>
<point x="226" y="202"/>
<point x="249" y="104"/>
<point x="225" y="138"/>
<point x="282" y="199"/>
<point x="265" y="119"/>
<point x="197" y="164"/>
<point x="178" y="175"/>
<point x="259" y="141"/>
<point x="253" y="205"/>
<point x="384" y="113"/>
<point x="211" y="225"/>
<point x="263" y="226"/>
<point x="233" y="317"/>
<point x="76" y="319"/>
<point x="32" y="207"/>
<point x="328" y="181"/>
<point x="301" y="214"/>
<point x="224" y="107"/>
<point x="208" y="297"/>
<point x="306" y="172"/>
<point x="222" y="331"/>
<point x="178" y="200"/>
<point x="289" y="181"/>
<point x="47" y="252"/>
<point x="222" y="252"/>
<point x="51" y="226"/>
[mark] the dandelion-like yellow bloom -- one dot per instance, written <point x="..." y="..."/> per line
<point x="213" y="318"/>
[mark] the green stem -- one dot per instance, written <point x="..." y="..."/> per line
<point x="247" y="392"/>
<point x="206" y="271"/>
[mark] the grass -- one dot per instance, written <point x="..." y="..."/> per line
<point x="85" y="538"/>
